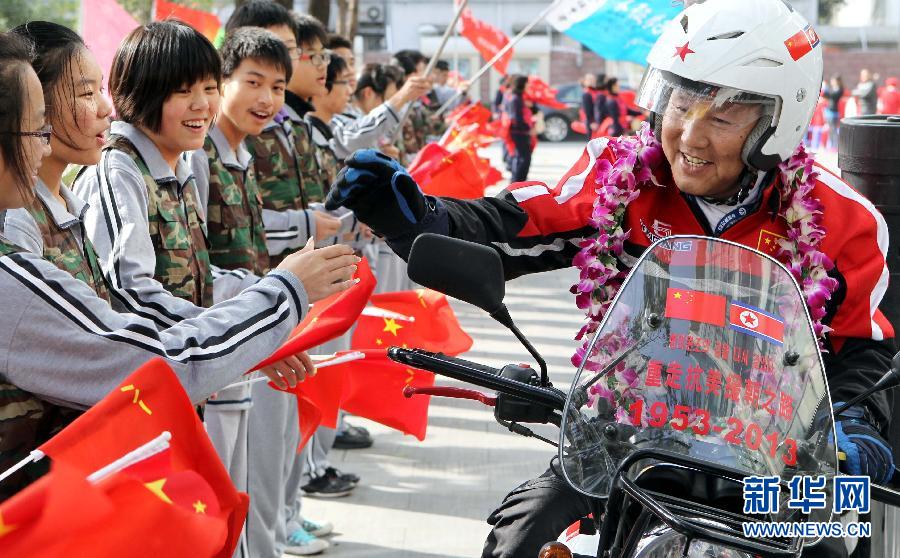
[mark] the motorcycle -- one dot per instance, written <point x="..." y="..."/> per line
<point x="704" y="371"/>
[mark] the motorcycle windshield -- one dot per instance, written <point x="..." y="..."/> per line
<point x="708" y="352"/>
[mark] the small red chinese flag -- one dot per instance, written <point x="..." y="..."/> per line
<point x="61" y="501"/>
<point x="328" y="318"/>
<point x="148" y="402"/>
<point x="145" y="511"/>
<point x="440" y="172"/>
<point x="539" y="91"/>
<point x="433" y="326"/>
<point x="695" y="306"/>
<point x="374" y="390"/>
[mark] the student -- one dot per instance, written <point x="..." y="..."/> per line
<point x="283" y="170"/>
<point x="341" y="46"/>
<point x="311" y="36"/>
<point x="416" y="126"/>
<point x="521" y="129"/>
<point x="50" y="224"/>
<point x="255" y="68"/>
<point x="66" y="348"/>
<point x="372" y="116"/>
<point x="338" y="92"/>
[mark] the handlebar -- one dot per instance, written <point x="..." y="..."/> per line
<point x="477" y="374"/>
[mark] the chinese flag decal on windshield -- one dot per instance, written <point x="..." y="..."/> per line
<point x="696" y="306"/>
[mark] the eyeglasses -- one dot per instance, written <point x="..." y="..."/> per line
<point x="317" y="58"/>
<point x="44" y="133"/>
<point x="340" y="82"/>
<point x="294" y="53"/>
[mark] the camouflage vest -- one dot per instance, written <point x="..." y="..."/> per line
<point x="277" y="170"/>
<point x="62" y="249"/>
<point x="25" y="423"/>
<point x="237" y="236"/>
<point x="176" y="231"/>
<point x="414" y="129"/>
<point x="313" y="185"/>
<point x="328" y="164"/>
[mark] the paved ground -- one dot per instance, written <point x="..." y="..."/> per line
<point x="429" y="499"/>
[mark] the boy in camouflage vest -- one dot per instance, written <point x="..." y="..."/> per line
<point x="288" y="180"/>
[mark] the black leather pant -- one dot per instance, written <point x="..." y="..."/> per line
<point x="538" y="510"/>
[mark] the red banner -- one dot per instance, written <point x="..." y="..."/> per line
<point x="487" y="39"/>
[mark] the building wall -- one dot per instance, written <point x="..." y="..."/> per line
<point x="849" y="63"/>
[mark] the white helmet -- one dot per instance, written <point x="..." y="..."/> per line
<point x="741" y="51"/>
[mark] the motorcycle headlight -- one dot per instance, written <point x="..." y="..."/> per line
<point x="663" y="542"/>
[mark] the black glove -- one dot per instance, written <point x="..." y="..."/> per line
<point x="380" y="192"/>
<point x="867" y="453"/>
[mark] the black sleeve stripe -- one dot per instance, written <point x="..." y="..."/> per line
<point x="283" y="235"/>
<point x="128" y="297"/>
<point x="294" y="296"/>
<point x="146" y="338"/>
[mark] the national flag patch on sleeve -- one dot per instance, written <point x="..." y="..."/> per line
<point x="758" y="323"/>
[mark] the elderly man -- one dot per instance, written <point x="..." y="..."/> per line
<point x="724" y="160"/>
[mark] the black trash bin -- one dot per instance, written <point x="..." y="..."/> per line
<point x="869" y="159"/>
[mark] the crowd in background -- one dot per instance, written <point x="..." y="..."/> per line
<point x="837" y="101"/>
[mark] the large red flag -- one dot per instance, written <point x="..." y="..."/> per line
<point x="147" y="403"/>
<point x="420" y="319"/>
<point x="374" y="389"/>
<point x="206" y="23"/>
<point x="328" y="318"/>
<point x="487" y="39"/>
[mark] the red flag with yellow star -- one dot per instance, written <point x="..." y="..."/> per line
<point x="151" y="401"/>
<point x="146" y="510"/>
<point x="373" y="388"/>
<point x="32" y="520"/>
<point x="441" y="172"/>
<point x="421" y="319"/>
<point x="328" y="318"/>
<point x="695" y="306"/>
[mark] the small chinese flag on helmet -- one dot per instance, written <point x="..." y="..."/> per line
<point x="802" y="43"/>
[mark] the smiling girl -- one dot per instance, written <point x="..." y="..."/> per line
<point x="51" y="223"/>
<point x="144" y="217"/>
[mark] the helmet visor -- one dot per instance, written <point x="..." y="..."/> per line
<point x="680" y="101"/>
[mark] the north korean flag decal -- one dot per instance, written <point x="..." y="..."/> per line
<point x="753" y="321"/>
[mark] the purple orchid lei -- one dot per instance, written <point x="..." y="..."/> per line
<point x="619" y="183"/>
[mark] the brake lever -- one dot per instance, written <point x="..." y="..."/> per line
<point x="454" y="392"/>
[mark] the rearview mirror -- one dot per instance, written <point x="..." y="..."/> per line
<point x="465" y="270"/>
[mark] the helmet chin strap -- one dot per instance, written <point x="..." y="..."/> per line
<point x="746" y="181"/>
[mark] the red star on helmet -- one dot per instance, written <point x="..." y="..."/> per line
<point x="683" y="51"/>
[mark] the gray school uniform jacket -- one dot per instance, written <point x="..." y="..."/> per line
<point x="61" y="342"/>
<point x="118" y="226"/>
<point x="353" y="130"/>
